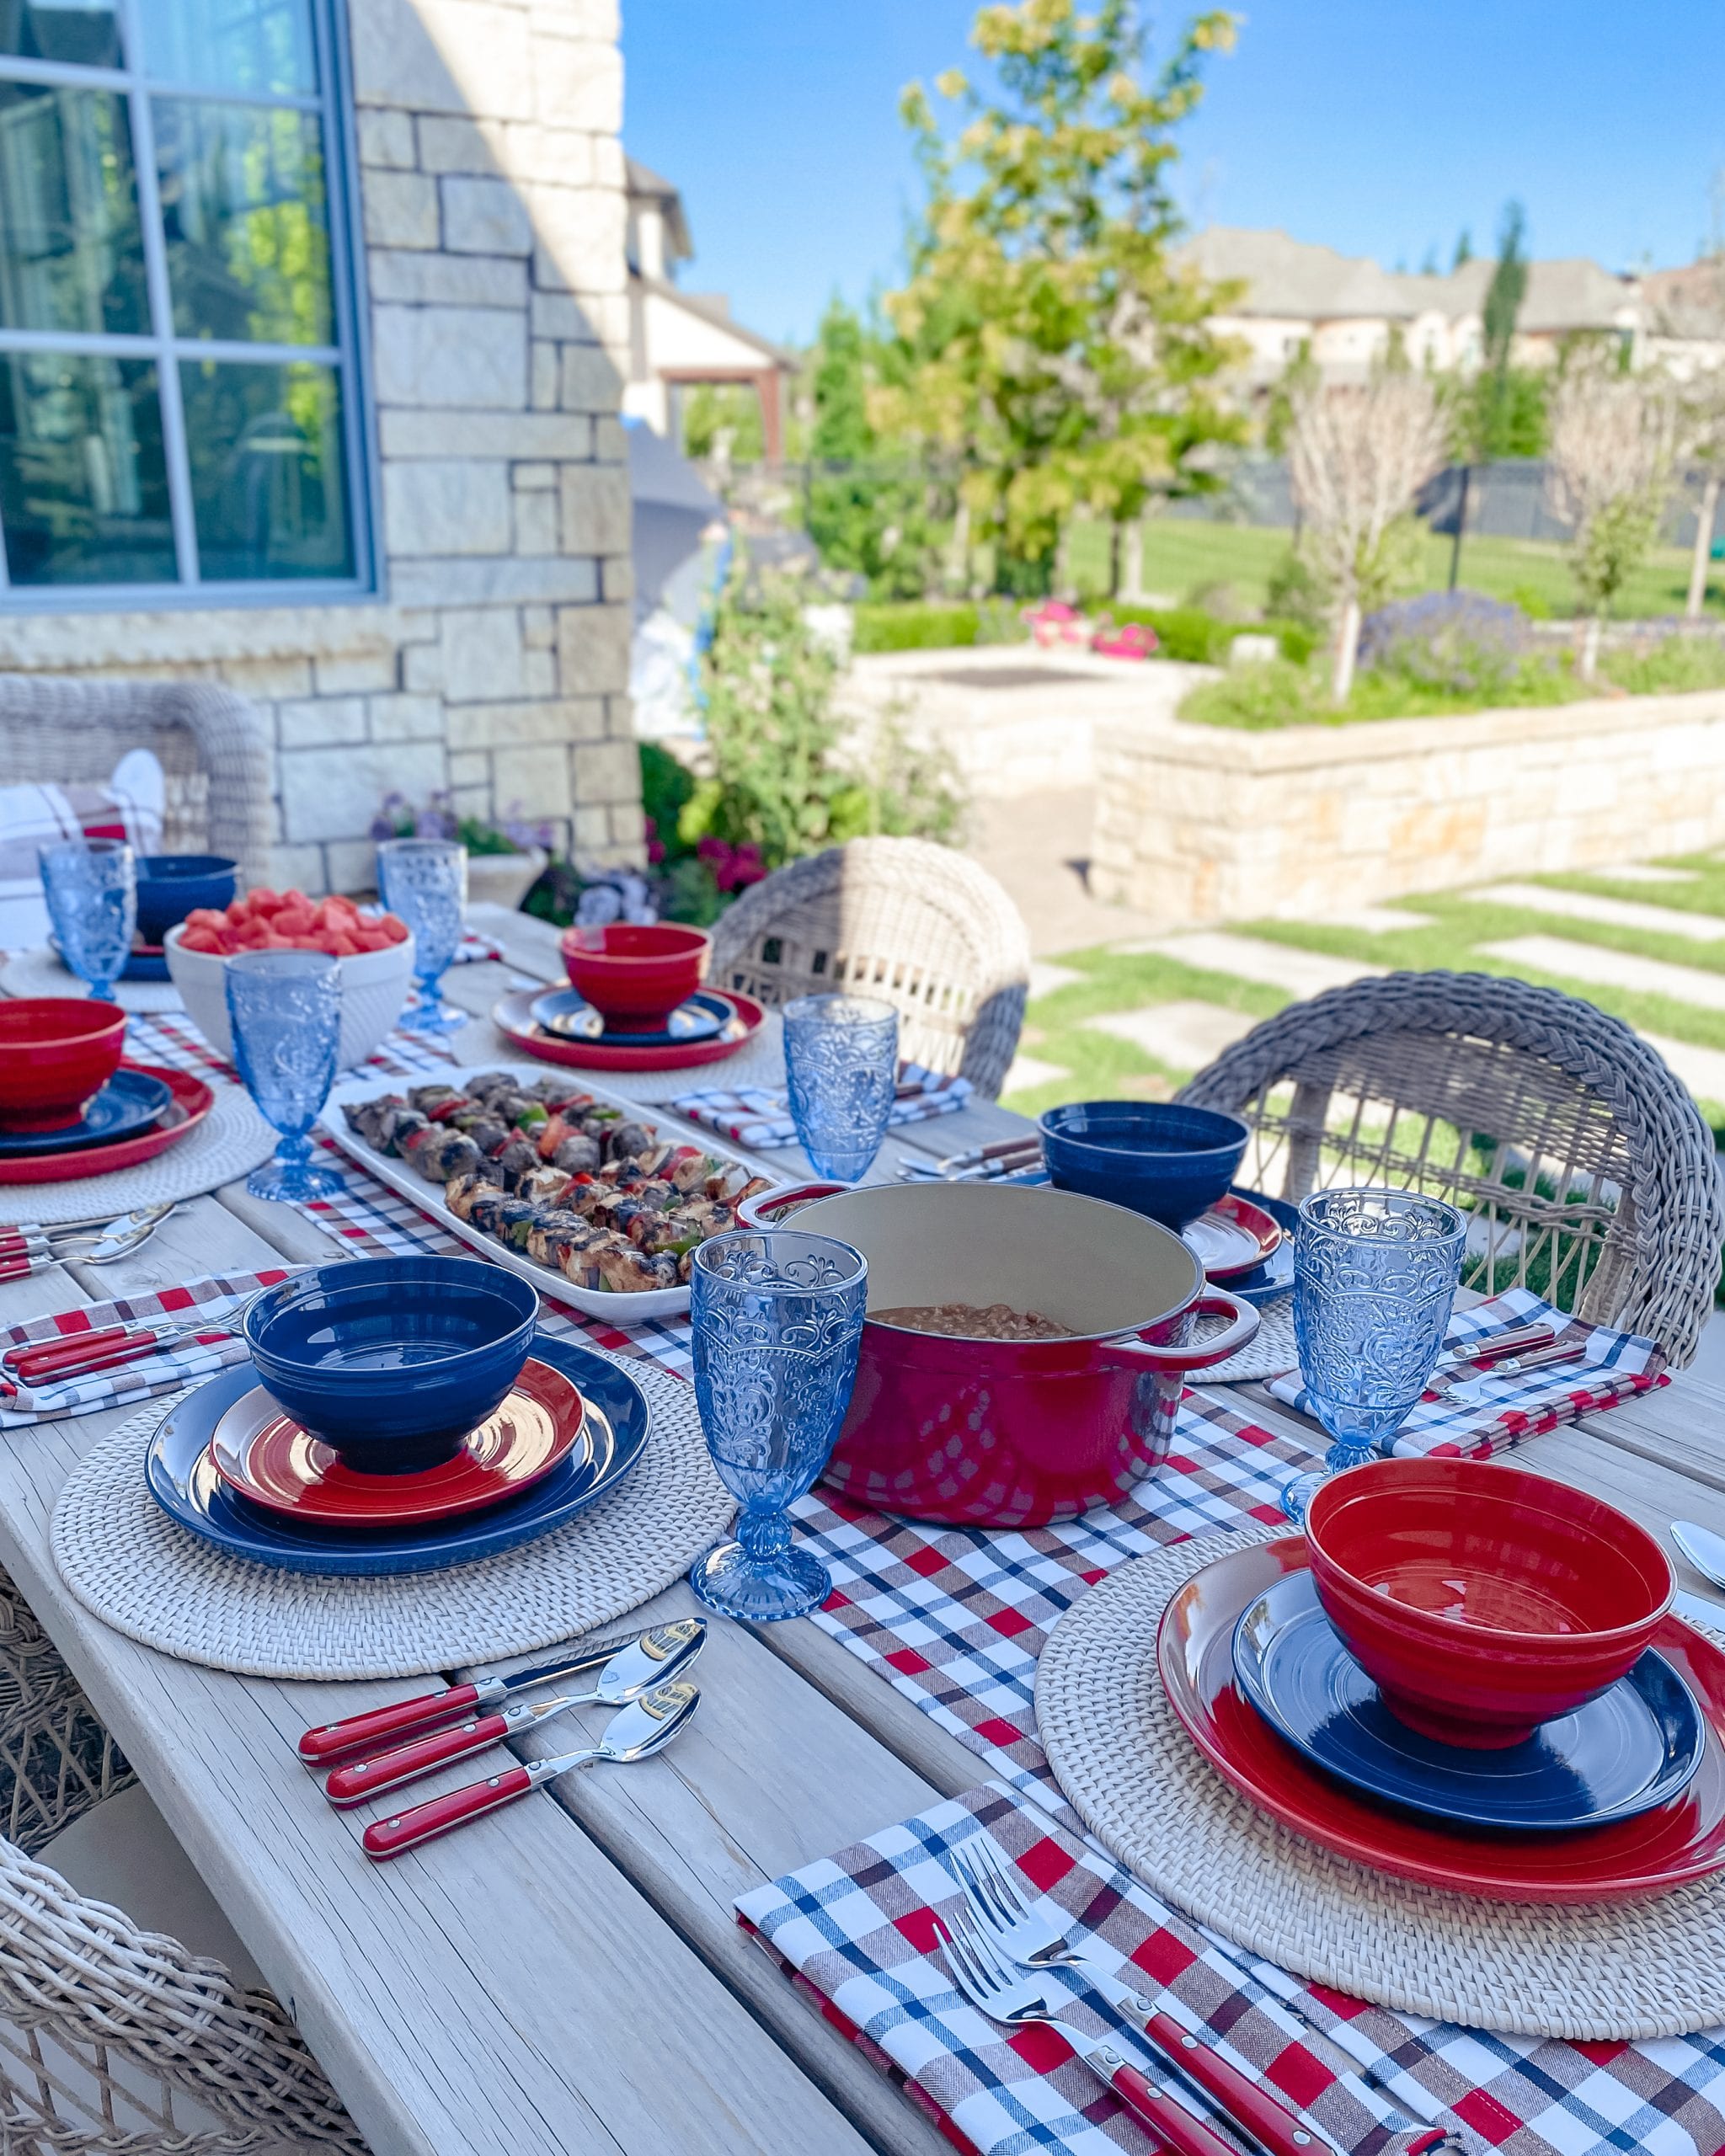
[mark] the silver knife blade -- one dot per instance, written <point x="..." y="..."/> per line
<point x="1698" y="1610"/>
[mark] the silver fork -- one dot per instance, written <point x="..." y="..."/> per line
<point x="996" y="1898"/>
<point x="1016" y="2000"/>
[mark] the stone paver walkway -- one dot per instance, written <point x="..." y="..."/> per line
<point x="1605" y="968"/>
<point x="1606" y="913"/>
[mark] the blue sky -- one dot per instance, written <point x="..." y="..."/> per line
<point x="1377" y="126"/>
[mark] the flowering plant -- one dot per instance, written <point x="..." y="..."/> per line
<point x="1456" y="640"/>
<point x="398" y="819"/>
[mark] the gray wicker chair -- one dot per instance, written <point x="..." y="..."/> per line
<point x="921" y="927"/>
<point x="214" y="747"/>
<point x="116" y="2041"/>
<point x="1586" y="1165"/>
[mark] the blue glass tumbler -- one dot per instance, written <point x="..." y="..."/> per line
<point x="1375" y="1273"/>
<point x="92" y="888"/>
<point x="841" y="1059"/>
<point x="425" y="881"/>
<point x="778" y="1319"/>
<point x="285" y="1008"/>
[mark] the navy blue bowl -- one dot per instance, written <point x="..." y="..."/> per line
<point x="1156" y="1157"/>
<point x="392" y="1360"/>
<point x="172" y="885"/>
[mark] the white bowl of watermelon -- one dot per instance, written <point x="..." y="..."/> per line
<point x="374" y="951"/>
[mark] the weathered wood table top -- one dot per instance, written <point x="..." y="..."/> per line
<point x="567" y="1975"/>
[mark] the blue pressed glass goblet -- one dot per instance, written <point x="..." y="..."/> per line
<point x="777" y="1321"/>
<point x="841" y="1057"/>
<point x="92" y="888"/>
<point x="425" y="881"/>
<point x="1375" y="1276"/>
<point x="284" y="1010"/>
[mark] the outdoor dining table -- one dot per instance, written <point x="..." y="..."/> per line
<point x="569" y="1975"/>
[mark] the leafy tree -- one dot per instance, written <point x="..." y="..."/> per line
<point x="1613" y="444"/>
<point x="1049" y="347"/>
<point x="1504" y="413"/>
<point x="868" y="509"/>
<point x="1464" y="250"/>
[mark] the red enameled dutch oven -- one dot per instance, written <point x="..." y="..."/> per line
<point x="1014" y="1433"/>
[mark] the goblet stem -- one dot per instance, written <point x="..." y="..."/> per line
<point x="764" y="1534"/>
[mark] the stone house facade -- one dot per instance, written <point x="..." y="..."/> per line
<point x="491" y="652"/>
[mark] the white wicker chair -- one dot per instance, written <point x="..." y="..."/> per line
<point x="921" y="927"/>
<point x="115" y="2040"/>
<point x="1586" y="1168"/>
<point x="214" y="747"/>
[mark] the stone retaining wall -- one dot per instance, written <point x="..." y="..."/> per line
<point x="1201" y="824"/>
<point x="496" y="660"/>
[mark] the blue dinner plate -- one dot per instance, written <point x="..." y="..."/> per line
<point x="183" y="1479"/>
<point x="130" y="1101"/>
<point x="566" y="1012"/>
<point x="1275" y="1276"/>
<point x="1635" y="1747"/>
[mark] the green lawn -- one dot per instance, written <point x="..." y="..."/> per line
<point x="1182" y="554"/>
<point x="1097" y="1065"/>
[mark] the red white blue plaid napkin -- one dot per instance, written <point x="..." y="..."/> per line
<point x="856" y="1931"/>
<point x="132" y="1383"/>
<point x="752" y="1116"/>
<point x="1615" y="1366"/>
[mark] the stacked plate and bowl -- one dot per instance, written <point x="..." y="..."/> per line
<point x="634" y="1002"/>
<point x="396" y="1414"/>
<point x="1464" y="1675"/>
<point x="69" y="1106"/>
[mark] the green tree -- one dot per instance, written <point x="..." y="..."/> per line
<point x="869" y="509"/>
<point x="842" y="433"/>
<point x="1049" y="346"/>
<point x="1464" y="250"/>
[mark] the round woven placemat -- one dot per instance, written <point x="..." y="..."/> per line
<point x="41" y="971"/>
<point x="1597" y="1971"/>
<point x="130" y="1565"/>
<point x="232" y="1140"/>
<point x="1267" y="1355"/>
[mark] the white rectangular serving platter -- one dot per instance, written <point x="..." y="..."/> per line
<point x="595" y="1302"/>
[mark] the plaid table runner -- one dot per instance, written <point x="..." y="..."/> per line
<point x="855" y="1933"/>
<point x="752" y="1115"/>
<point x="1615" y="1366"/>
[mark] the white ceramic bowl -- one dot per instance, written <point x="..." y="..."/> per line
<point x="374" y="990"/>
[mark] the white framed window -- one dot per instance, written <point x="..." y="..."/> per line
<point x="181" y="389"/>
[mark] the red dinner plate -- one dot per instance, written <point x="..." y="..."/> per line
<point x="1682" y="1840"/>
<point x="192" y="1101"/>
<point x="266" y="1457"/>
<point x="1232" y="1237"/>
<point x="514" y="1017"/>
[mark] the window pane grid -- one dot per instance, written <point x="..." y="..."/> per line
<point x="262" y="491"/>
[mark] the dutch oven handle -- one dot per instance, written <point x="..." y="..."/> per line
<point x="1203" y="1355"/>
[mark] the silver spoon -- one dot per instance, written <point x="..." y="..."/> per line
<point x="1704" y="1550"/>
<point x="633" y="1732"/>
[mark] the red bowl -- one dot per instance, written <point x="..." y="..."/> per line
<point x="636" y="973"/>
<point x="56" y="1053"/>
<point x="1483" y="1600"/>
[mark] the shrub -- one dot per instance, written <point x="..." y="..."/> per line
<point x="930" y="627"/>
<point x="1255" y="698"/>
<point x="1460" y="642"/>
<point x="1295" y="593"/>
<point x="1673" y="661"/>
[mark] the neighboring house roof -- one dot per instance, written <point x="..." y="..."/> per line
<point x="714" y="309"/>
<point x="1569" y="293"/>
<point x="643" y="184"/>
<point x="1687" y="303"/>
<point x="1287" y="276"/>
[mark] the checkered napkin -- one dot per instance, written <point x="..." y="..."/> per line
<point x="132" y="1382"/>
<point x="172" y="1039"/>
<point x="856" y="1932"/>
<point x="752" y="1116"/>
<point x="1617" y="1367"/>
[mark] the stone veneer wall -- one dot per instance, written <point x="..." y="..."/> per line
<point x="496" y="661"/>
<point x="1202" y="824"/>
